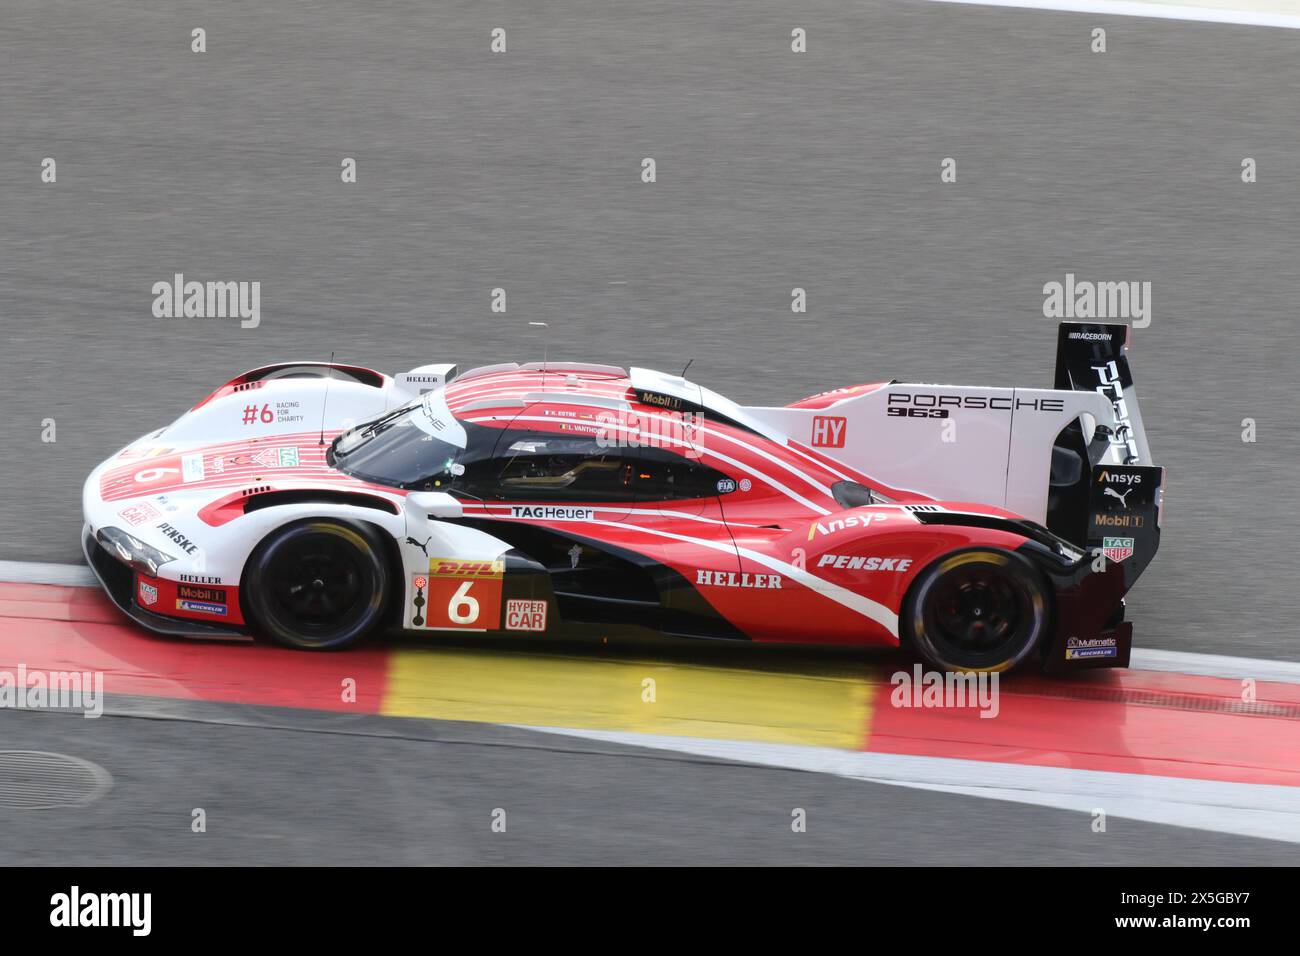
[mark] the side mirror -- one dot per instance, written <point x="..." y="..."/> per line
<point x="435" y="504"/>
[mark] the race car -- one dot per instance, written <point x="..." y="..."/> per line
<point x="316" y="503"/>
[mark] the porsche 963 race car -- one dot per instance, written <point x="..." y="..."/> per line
<point x="317" y="503"/>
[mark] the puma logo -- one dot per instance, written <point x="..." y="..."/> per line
<point x="425" y="546"/>
<point x="1122" y="498"/>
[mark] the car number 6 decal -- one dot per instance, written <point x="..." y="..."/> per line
<point x="469" y="589"/>
<point x="462" y="599"/>
<point x="148" y="475"/>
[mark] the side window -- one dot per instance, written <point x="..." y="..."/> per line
<point x="542" y="466"/>
<point x="665" y="476"/>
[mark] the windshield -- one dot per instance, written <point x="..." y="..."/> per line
<point x="423" y="447"/>
<point x="419" y="447"/>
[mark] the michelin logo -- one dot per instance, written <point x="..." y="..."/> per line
<point x="1078" y="649"/>
<point x="201" y="607"/>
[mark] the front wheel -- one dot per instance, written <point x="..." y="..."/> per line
<point x="978" y="610"/>
<point x="316" y="585"/>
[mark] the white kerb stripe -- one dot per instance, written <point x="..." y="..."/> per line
<point x="1266" y="811"/>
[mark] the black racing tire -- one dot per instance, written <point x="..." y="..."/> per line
<point x="983" y="609"/>
<point x="317" y="584"/>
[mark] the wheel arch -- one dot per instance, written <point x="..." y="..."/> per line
<point x="1045" y="582"/>
<point x="386" y="528"/>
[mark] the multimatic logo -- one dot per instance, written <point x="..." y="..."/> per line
<point x="924" y="405"/>
<point x="1079" y="648"/>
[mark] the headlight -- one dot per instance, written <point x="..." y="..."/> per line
<point x="133" y="551"/>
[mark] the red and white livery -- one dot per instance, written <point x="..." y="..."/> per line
<point x="315" y="504"/>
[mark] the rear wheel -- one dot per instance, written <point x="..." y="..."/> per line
<point x="317" y="585"/>
<point x="980" y="610"/>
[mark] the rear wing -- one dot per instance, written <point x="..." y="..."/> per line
<point x="1114" y="507"/>
<point x="994" y="446"/>
<point x="1095" y="358"/>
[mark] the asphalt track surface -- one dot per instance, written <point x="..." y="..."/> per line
<point x="407" y="792"/>
<point x="775" y="170"/>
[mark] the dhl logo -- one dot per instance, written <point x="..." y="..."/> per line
<point x="452" y="568"/>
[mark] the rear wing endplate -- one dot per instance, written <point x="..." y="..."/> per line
<point x="1091" y="357"/>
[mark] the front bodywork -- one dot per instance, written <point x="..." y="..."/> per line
<point x="171" y="519"/>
